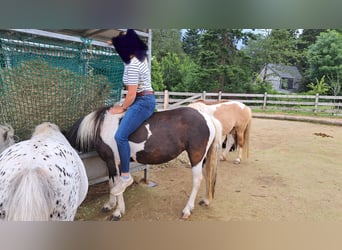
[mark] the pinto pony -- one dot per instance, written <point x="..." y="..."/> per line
<point x="235" y="118"/>
<point x="41" y="179"/>
<point x="6" y="136"/>
<point x="159" y="139"/>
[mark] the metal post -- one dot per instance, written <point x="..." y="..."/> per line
<point x="146" y="170"/>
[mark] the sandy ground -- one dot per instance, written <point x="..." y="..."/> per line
<point x="294" y="173"/>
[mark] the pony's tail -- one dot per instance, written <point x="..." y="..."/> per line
<point x="213" y="159"/>
<point x="30" y="197"/>
<point x="247" y="139"/>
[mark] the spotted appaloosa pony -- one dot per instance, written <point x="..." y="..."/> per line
<point x="159" y="139"/>
<point x="6" y="136"/>
<point x="235" y="118"/>
<point x="41" y="179"/>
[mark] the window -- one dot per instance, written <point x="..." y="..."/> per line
<point x="286" y="83"/>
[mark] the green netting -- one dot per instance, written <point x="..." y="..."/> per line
<point x="46" y="79"/>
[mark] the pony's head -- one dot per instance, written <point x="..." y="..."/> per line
<point x="6" y="136"/>
<point x="45" y="128"/>
<point x="48" y="130"/>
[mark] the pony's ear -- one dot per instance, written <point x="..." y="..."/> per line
<point x="5" y="136"/>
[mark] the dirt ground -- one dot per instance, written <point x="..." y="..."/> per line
<point x="294" y="173"/>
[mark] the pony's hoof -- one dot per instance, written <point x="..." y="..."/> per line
<point x="105" y="210"/>
<point x="237" y="161"/>
<point x="203" y="203"/>
<point x="116" y="218"/>
<point x="185" y="216"/>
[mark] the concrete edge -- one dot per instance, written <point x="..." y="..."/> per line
<point x="326" y="121"/>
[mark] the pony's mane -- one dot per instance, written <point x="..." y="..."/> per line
<point x="98" y="119"/>
<point x="84" y="142"/>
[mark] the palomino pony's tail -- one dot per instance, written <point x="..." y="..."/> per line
<point x="213" y="159"/>
<point x="247" y="138"/>
<point x="30" y="197"/>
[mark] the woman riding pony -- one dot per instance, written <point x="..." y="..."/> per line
<point x="139" y="103"/>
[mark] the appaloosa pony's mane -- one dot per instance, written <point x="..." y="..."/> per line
<point x="159" y="139"/>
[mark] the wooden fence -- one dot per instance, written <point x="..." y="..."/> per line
<point x="315" y="104"/>
<point x="97" y="170"/>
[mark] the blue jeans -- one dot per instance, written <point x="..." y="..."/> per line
<point x="142" y="108"/>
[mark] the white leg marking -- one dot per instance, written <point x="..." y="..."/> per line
<point x="238" y="159"/>
<point x="230" y="142"/>
<point x="120" y="209"/>
<point x="197" y="177"/>
<point x="111" y="203"/>
<point x="116" y="202"/>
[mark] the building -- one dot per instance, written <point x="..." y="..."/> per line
<point x="285" y="79"/>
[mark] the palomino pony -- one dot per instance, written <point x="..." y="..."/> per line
<point x="6" y="136"/>
<point x="159" y="139"/>
<point x="235" y="118"/>
<point x="41" y="179"/>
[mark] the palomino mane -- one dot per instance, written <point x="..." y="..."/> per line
<point x="206" y="102"/>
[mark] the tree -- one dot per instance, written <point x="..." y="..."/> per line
<point x="320" y="87"/>
<point x="190" y="42"/>
<point x="325" y="57"/>
<point x="308" y="37"/>
<point x="283" y="48"/>
<point x="217" y="55"/>
<point x="277" y="46"/>
<point x="170" y="65"/>
<point x="305" y="40"/>
<point x="165" y="41"/>
<point x="189" y="78"/>
<point x="255" y="52"/>
<point x="335" y="86"/>
<point x="157" y="75"/>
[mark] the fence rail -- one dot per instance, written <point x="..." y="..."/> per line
<point x="315" y="104"/>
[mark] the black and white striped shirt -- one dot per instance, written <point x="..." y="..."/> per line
<point x="137" y="73"/>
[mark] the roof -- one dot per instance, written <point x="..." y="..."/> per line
<point x="102" y="35"/>
<point x="97" y="36"/>
<point x="285" y="71"/>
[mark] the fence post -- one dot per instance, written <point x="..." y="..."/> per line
<point x="316" y="103"/>
<point x="219" y="96"/>
<point x="166" y="100"/>
<point x="204" y="94"/>
<point x="265" y="101"/>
